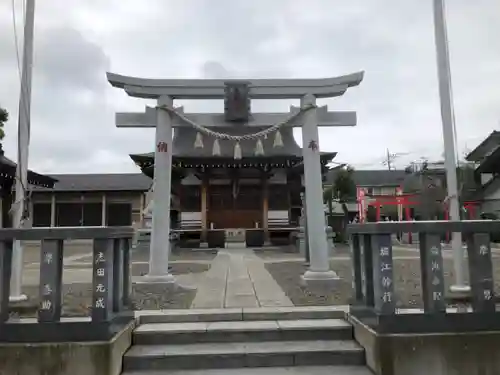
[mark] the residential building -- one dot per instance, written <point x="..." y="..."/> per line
<point x="486" y="158"/>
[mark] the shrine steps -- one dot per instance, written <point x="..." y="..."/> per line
<point x="274" y="339"/>
<point x="298" y="370"/>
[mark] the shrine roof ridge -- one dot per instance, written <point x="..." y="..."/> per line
<point x="282" y="88"/>
<point x="326" y="155"/>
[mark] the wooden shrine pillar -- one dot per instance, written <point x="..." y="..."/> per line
<point x="204" y="209"/>
<point x="265" y="208"/>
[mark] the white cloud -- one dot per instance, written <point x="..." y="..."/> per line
<point x="397" y="104"/>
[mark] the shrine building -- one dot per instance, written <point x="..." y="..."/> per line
<point x="260" y="190"/>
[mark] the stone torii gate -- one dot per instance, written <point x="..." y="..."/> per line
<point x="165" y="117"/>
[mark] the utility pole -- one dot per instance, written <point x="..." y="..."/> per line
<point x="24" y="119"/>
<point x="448" y="119"/>
<point x="392" y="157"/>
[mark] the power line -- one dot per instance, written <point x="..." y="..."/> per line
<point x="391" y="158"/>
<point x="417" y="153"/>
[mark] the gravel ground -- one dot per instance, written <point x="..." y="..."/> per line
<point x="77" y="297"/>
<point x="143" y="256"/>
<point x="31" y="253"/>
<point x="266" y="255"/>
<point x="406" y="281"/>
<point x="184" y="254"/>
<point x="291" y="252"/>
<point x="177" y="268"/>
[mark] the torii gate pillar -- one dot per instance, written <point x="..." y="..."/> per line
<point x="318" y="245"/>
<point x="160" y="232"/>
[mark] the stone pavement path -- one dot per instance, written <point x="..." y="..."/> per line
<point x="238" y="278"/>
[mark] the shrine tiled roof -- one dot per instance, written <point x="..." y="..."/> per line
<point x="185" y="152"/>
<point x="100" y="182"/>
<point x="140" y="182"/>
<point x="490" y="163"/>
<point x="489" y="144"/>
<point x="184" y="140"/>
<point x="8" y="171"/>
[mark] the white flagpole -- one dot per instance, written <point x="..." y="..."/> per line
<point x="22" y="152"/>
<point x="448" y="120"/>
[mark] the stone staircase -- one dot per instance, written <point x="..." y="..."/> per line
<point x="224" y="342"/>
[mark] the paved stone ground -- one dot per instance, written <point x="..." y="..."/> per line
<point x="287" y="271"/>
<point x="238" y="278"/>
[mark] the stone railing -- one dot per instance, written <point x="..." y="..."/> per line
<point x="374" y="299"/>
<point x="111" y="283"/>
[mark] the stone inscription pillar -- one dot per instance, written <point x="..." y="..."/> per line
<point x="104" y="219"/>
<point x="265" y="208"/>
<point x="53" y="210"/>
<point x="204" y="209"/>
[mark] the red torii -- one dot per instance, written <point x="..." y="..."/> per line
<point x="407" y="200"/>
<point x="404" y="201"/>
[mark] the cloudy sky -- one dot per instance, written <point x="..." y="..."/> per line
<point x="77" y="41"/>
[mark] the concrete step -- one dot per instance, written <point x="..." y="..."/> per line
<point x="240" y="314"/>
<point x="244" y="331"/>
<point x="301" y="370"/>
<point x="243" y="354"/>
<point x="235" y="245"/>
<point x="142" y="245"/>
<point x="238" y="238"/>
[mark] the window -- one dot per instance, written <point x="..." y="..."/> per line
<point x="41" y="214"/>
<point x="69" y="214"/>
<point x="220" y="197"/>
<point x="388" y="191"/>
<point x="248" y="198"/>
<point x="295" y="190"/>
<point x="119" y="214"/>
<point x="190" y="198"/>
<point x="92" y="214"/>
<point x="278" y="197"/>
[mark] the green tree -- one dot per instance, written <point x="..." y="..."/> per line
<point x="343" y="191"/>
<point x="4" y="117"/>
